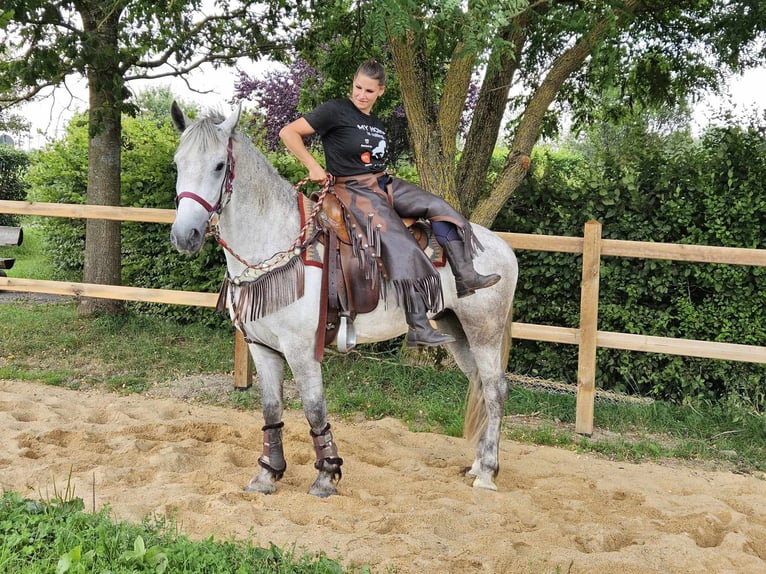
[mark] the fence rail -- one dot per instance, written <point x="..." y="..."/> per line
<point x="587" y="336"/>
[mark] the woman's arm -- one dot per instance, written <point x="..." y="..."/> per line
<point x="292" y="136"/>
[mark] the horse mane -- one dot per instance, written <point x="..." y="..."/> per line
<point x="203" y="134"/>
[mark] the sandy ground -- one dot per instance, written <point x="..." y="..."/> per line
<point x="403" y="507"/>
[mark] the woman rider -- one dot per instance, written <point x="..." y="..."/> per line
<point x="354" y="143"/>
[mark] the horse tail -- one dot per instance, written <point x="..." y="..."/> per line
<point x="475" y="420"/>
<point x="505" y="347"/>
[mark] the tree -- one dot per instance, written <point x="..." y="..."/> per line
<point x="277" y="97"/>
<point x="534" y="58"/>
<point x="13" y="125"/>
<point x="111" y="44"/>
<point x="58" y="174"/>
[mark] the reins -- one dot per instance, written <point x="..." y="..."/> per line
<point x="280" y="257"/>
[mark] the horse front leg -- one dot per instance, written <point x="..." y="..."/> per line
<point x="270" y="368"/>
<point x="308" y="376"/>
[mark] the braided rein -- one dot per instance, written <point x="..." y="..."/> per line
<point x="280" y="257"/>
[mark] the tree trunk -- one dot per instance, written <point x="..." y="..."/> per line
<point x="488" y="117"/>
<point x="528" y="131"/>
<point x="105" y="84"/>
<point x="434" y="151"/>
<point x="434" y="162"/>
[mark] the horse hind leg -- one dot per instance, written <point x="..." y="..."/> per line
<point x="482" y="363"/>
<point x="491" y="358"/>
<point x="486" y="465"/>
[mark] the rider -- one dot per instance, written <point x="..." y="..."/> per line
<point x="354" y="142"/>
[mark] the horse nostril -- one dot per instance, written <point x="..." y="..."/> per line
<point x="189" y="241"/>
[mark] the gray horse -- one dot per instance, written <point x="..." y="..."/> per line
<point x="225" y="183"/>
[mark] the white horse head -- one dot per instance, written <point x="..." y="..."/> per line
<point x="202" y="174"/>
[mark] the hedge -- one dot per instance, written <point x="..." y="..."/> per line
<point x="644" y="186"/>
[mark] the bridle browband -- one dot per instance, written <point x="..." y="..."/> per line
<point x="226" y="187"/>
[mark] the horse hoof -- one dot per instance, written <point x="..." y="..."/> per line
<point x="323" y="488"/>
<point x="323" y="492"/>
<point x="256" y="484"/>
<point x="484" y="484"/>
<point x="472" y="471"/>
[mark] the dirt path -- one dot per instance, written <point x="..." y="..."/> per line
<point x="404" y="506"/>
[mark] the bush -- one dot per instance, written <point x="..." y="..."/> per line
<point x="59" y="175"/>
<point x="13" y="165"/>
<point x="644" y="186"/>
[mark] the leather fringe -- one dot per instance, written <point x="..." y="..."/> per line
<point x="429" y="287"/>
<point x="265" y="295"/>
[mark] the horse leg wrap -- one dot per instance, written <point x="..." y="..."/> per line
<point x="273" y="457"/>
<point x="327" y="453"/>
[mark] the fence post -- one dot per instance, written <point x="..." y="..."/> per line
<point x="243" y="366"/>
<point x="586" y="361"/>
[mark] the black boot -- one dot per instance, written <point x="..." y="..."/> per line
<point x="421" y="333"/>
<point x="467" y="280"/>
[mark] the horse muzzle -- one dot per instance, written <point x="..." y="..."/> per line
<point x="187" y="241"/>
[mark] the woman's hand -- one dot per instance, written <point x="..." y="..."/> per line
<point x="317" y="174"/>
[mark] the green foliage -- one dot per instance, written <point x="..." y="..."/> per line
<point x="644" y="186"/>
<point x="13" y="165"/>
<point x="49" y="41"/>
<point x="57" y="536"/>
<point x="59" y="175"/>
<point x="15" y="125"/>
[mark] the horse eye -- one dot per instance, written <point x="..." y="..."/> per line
<point x="220" y="166"/>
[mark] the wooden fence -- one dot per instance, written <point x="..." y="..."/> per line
<point x="586" y="336"/>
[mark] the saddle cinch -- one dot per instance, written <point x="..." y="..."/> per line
<point x="349" y="287"/>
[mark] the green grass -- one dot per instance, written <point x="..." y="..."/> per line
<point x="52" y="343"/>
<point x="58" y="536"/>
<point x="31" y="256"/>
<point x="380" y="385"/>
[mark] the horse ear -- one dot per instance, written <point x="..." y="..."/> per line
<point x="231" y="122"/>
<point x="179" y="118"/>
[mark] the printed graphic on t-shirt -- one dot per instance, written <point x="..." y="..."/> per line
<point x="380" y="150"/>
<point x="373" y="143"/>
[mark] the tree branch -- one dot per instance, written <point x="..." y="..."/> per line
<point x="453" y="97"/>
<point x="528" y="131"/>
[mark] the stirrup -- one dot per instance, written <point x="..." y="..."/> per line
<point x="346" y="336"/>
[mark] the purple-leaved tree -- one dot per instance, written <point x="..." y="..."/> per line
<point x="277" y="97"/>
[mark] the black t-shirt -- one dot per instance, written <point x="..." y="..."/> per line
<point x="354" y="143"/>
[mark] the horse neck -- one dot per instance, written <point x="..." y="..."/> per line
<point x="262" y="215"/>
